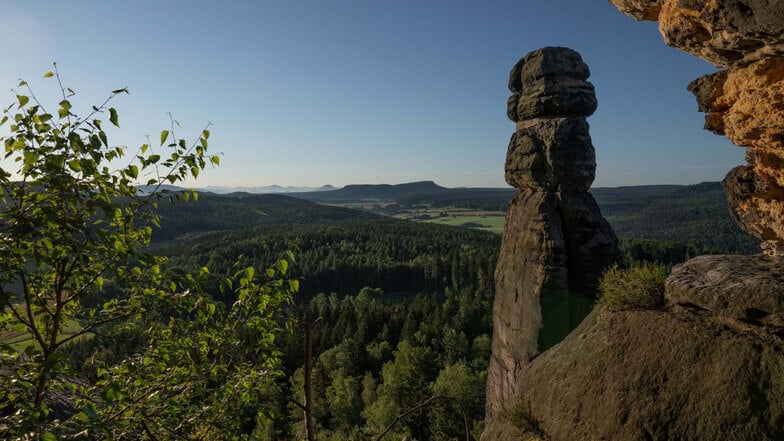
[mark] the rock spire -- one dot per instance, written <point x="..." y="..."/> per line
<point x="556" y="243"/>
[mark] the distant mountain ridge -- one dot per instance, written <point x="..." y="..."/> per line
<point x="267" y="189"/>
<point x="422" y="192"/>
<point x="373" y="192"/>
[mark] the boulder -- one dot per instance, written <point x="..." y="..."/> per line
<point x="743" y="291"/>
<point x="706" y="366"/>
<point x="550" y="82"/>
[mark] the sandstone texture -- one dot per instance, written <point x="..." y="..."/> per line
<point x="746" y="291"/>
<point x="707" y="366"/>
<point x="744" y="102"/>
<point x="723" y="32"/>
<point x="555" y="239"/>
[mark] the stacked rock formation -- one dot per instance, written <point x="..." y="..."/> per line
<point x="745" y="101"/>
<point x="707" y="364"/>
<point x="555" y="239"/>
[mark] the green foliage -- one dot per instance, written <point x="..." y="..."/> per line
<point x="74" y="228"/>
<point x="365" y="363"/>
<point x="696" y="215"/>
<point x="405" y="382"/>
<point x="521" y="417"/>
<point x="640" y="286"/>
<point x="460" y="382"/>
<point x="661" y="251"/>
<point x="208" y="369"/>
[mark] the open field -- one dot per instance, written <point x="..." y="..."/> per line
<point x="20" y="340"/>
<point x="494" y="222"/>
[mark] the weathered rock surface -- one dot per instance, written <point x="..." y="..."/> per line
<point x="555" y="239"/>
<point x="591" y="244"/>
<point x="723" y="32"/>
<point x="747" y="105"/>
<point x="747" y="291"/>
<point x="551" y="154"/>
<point x="745" y="101"/>
<point x="550" y="82"/>
<point x="640" y="9"/>
<point x="758" y="206"/>
<point x="532" y="257"/>
<point x="708" y="366"/>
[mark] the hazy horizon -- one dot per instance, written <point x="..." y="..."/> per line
<point x="317" y="187"/>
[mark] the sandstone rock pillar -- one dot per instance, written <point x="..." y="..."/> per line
<point x="555" y="239"/>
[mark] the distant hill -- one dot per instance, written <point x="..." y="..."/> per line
<point x="147" y="189"/>
<point x="268" y="189"/>
<point x="240" y="210"/>
<point x="690" y="214"/>
<point x="423" y="192"/>
<point x="373" y="192"/>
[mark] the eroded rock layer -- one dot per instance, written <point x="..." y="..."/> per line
<point x="744" y="102"/>
<point x="555" y="239"/>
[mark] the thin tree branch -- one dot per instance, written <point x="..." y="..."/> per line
<point x="148" y="431"/>
<point x="89" y="327"/>
<point x="297" y="403"/>
<point x="424" y="404"/>
<point x="308" y="409"/>
<point x="28" y="308"/>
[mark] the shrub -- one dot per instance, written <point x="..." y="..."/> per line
<point x="640" y="286"/>
<point x="521" y="417"/>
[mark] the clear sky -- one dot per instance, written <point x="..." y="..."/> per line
<point x="366" y="91"/>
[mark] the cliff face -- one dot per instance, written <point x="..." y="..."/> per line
<point x="744" y="102"/>
<point x="555" y="243"/>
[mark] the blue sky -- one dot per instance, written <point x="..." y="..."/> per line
<point x="341" y="92"/>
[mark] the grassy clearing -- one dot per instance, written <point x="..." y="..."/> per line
<point x="494" y="223"/>
<point x="20" y="340"/>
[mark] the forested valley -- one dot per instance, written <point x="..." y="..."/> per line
<point x="210" y="320"/>
<point x="399" y="311"/>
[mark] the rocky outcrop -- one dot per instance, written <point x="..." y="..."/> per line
<point x="555" y="239"/>
<point x="746" y="292"/>
<point x="744" y="102"/>
<point x="709" y="365"/>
